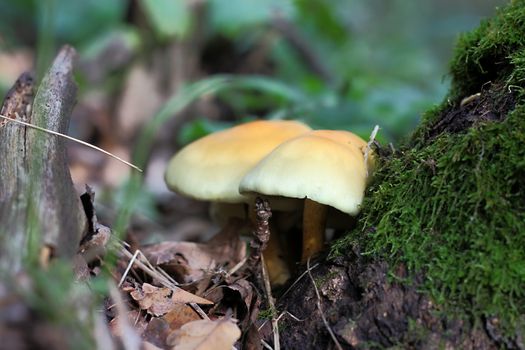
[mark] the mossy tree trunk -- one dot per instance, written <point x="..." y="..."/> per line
<point x="39" y="207"/>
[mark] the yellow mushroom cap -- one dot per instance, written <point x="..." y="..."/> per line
<point x="212" y="167"/>
<point x="348" y="138"/>
<point x="312" y="166"/>
<point x="342" y="136"/>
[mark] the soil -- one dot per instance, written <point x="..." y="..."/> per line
<point x="493" y="103"/>
<point x="368" y="309"/>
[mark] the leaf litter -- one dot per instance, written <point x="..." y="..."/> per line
<point x="177" y="294"/>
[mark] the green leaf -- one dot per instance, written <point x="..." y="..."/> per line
<point x="229" y="16"/>
<point x="128" y="37"/>
<point x="79" y="21"/>
<point x="199" y="128"/>
<point x="169" y="18"/>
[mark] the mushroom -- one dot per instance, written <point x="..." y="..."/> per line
<point x="323" y="167"/>
<point x="212" y="167"/>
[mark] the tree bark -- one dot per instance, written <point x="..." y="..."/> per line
<point x="39" y="206"/>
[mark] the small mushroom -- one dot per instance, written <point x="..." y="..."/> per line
<point x="212" y="167"/>
<point x="323" y="167"/>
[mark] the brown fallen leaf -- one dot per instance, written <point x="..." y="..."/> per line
<point x="238" y="297"/>
<point x="159" y="301"/>
<point x="180" y="315"/>
<point x="156" y="332"/>
<point x="189" y="261"/>
<point x="206" y="335"/>
<point x="159" y="328"/>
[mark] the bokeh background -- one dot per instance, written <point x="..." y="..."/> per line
<point x="337" y="64"/>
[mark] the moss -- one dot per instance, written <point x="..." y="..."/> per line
<point x="453" y="205"/>
<point x="490" y="53"/>
<point x="267" y="314"/>
<point x="321" y="280"/>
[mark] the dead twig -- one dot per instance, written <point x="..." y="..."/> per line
<point x="271" y="304"/>
<point x="292" y="316"/>
<point x="256" y="262"/>
<point x="261" y="232"/>
<point x="287" y="291"/>
<point x="281" y="315"/>
<point x="130" y="265"/>
<point x="298" y="279"/>
<point x="320" y="308"/>
<point x="236" y="267"/>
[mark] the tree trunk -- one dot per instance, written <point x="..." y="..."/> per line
<point x="39" y="206"/>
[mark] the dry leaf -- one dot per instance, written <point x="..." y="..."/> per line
<point x="189" y="261"/>
<point x="206" y="335"/>
<point x="156" y="332"/>
<point x="238" y="297"/>
<point x="159" y="301"/>
<point x="179" y="316"/>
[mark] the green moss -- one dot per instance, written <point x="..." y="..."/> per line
<point x="490" y="53"/>
<point x="267" y="314"/>
<point x="321" y="280"/>
<point x="453" y="206"/>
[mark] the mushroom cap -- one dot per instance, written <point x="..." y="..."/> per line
<point x="212" y="167"/>
<point x="313" y="166"/>
<point x="347" y="138"/>
<point x="342" y="136"/>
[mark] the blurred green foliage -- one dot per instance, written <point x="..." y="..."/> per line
<point x="375" y="62"/>
<point x="169" y="18"/>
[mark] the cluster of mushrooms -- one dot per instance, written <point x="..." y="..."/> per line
<point x="295" y="168"/>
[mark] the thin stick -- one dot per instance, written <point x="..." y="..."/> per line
<point x="319" y="307"/>
<point x="286" y="313"/>
<point x="130" y="264"/>
<point x="298" y="279"/>
<point x="266" y="345"/>
<point x="70" y="138"/>
<point x="198" y="310"/>
<point x="160" y="277"/>
<point x="237" y="267"/>
<point x="268" y="289"/>
<point x="369" y="145"/>
<point x="146" y="269"/>
<point x="288" y="290"/>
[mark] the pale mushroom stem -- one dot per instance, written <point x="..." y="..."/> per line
<point x="314" y="223"/>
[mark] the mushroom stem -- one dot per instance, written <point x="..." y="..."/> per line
<point x="314" y="223"/>
<point x="274" y="257"/>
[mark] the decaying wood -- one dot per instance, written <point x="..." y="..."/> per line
<point x="39" y="206"/>
<point x="13" y="173"/>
